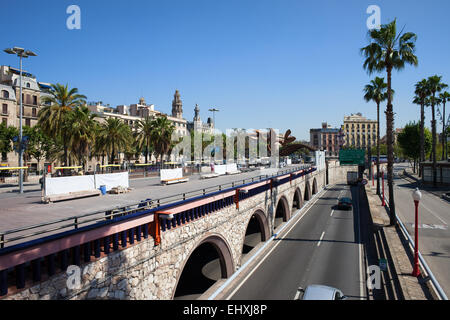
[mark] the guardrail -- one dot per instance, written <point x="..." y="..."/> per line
<point x="427" y="269"/>
<point x="76" y="222"/>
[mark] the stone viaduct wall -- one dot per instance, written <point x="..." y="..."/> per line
<point x="148" y="271"/>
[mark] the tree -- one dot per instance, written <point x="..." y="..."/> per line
<point x="162" y="136"/>
<point x="444" y="97"/>
<point x="376" y="91"/>
<point x="422" y="93"/>
<point x="53" y="116"/>
<point x="389" y="51"/>
<point x="435" y="85"/>
<point x="143" y="135"/>
<point x="6" y="138"/>
<point x="80" y="125"/>
<point x="115" y="135"/>
<point x="409" y="140"/>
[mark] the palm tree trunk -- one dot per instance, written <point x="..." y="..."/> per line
<point x="378" y="148"/>
<point x="422" y="138"/>
<point x="433" y="132"/>
<point x="443" y="131"/>
<point x="390" y="149"/>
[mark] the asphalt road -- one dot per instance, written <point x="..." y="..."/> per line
<point x="322" y="247"/>
<point x="434" y="220"/>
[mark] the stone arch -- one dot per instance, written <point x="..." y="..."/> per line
<point x="257" y="220"/>
<point x="210" y="242"/>
<point x="307" y="191"/>
<point x="314" y="186"/>
<point x="282" y="211"/>
<point x="297" y="201"/>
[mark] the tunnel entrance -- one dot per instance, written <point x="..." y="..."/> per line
<point x="281" y="213"/>
<point x="208" y="263"/>
<point x="307" y="191"/>
<point x="314" y="186"/>
<point x="297" y="202"/>
<point x="257" y="231"/>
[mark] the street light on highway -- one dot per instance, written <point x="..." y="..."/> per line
<point x="21" y="53"/>
<point x="417" y="195"/>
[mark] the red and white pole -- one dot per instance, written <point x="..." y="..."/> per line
<point x="417" y="195"/>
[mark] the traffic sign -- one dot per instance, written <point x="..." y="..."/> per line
<point x="352" y="157"/>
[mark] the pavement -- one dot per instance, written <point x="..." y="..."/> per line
<point x="434" y="220"/>
<point x="23" y="210"/>
<point x="321" y="246"/>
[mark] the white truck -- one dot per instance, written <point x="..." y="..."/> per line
<point x="352" y="177"/>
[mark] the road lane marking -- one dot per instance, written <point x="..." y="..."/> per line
<point x="321" y="237"/>
<point x="332" y="211"/>
<point x="297" y="295"/>
<point x="256" y="255"/>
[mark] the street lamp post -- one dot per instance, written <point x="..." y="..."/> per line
<point x="21" y="53"/>
<point x="382" y="186"/>
<point x="214" y="110"/>
<point x="417" y="195"/>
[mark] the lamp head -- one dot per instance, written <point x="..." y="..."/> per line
<point x="9" y="51"/>
<point x="417" y="195"/>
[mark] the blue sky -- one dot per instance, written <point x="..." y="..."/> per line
<point x="263" y="63"/>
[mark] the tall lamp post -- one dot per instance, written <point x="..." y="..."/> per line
<point x="21" y="53"/>
<point x="214" y="110"/>
<point x="417" y="195"/>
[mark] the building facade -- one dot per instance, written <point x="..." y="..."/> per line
<point x="197" y="125"/>
<point x="32" y="92"/>
<point x="327" y="139"/>
<point x="359" y="131"/>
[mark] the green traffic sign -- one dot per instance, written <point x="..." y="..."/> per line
<point x="352" y="157"/>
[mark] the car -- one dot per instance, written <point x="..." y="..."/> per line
<point x="321" y="292"/>
<point x="345" y="203"/>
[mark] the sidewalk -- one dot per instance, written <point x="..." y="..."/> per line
<point x="14" y="187"/>
<point x="397" y="251"/>
<point x="439" y="191"/>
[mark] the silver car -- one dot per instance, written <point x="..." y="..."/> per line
<point x="320" y="292"/>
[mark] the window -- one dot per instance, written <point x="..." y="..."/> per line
<point x="28" y="122"/>
<point x="5" y="121"/>
<point x="5" y="94"/>
<point x="33" y="112"/>
<point x="35" y="100"/>
<point x="28" y="84"/>
<point x="5" y="108"/>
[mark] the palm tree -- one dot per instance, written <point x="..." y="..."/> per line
<point x="422" y="93"/>
<point x="81" y="127"/>
<point x="143" y="135"/>
<point x="60" y="102"/>
<point x="376" y="91"/>
<point x="389" y="51"/>
<point x="162" y="136"/>
<point x="434" y="85"/>
<point x="444" y="97"/>
<point x="115" y="136"/>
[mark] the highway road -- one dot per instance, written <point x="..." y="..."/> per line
<point x="321" y="247"/>
<point x="434" y="220"/>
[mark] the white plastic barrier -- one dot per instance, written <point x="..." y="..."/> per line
<point x="112" y="180"/>
<point x="65" y="185"/>
<point x="61" y="185"/>
<point x="232" y="168"/>
<point x="220" y="169"/>
<point x="168" y="174"/>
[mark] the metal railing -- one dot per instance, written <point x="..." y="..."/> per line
<point x="75" y="222"/>
<point x="427" y="269"/>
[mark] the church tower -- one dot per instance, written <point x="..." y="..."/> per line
<point x="177" y="106"/>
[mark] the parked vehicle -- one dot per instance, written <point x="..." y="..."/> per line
<point x="320" y="292"/>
